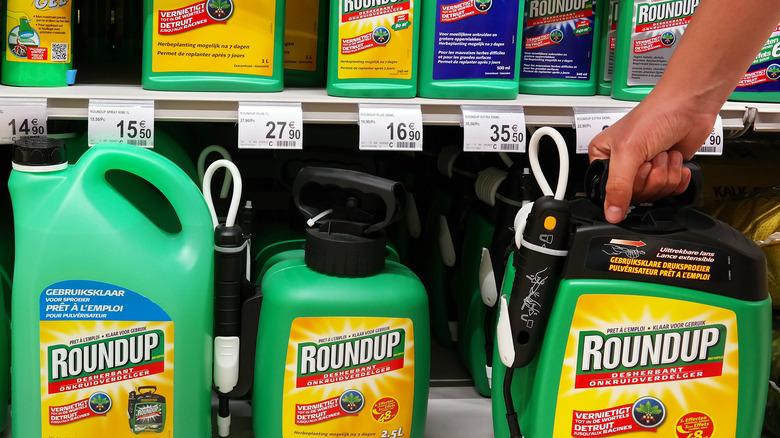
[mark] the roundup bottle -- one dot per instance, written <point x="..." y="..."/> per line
<point x="5" y="351"/>
<point x="560" y="48"/>
<point x="760" y="83"/>
<point x="648" y="33"/>
<point x="609" y="18"/>
<point x="343" y="339"/>
<point x="305" y="43"/>
<point x="106" y="304"/>
<point x="373" y="48"/>
<point x="214" y="45"/>
<point x="659" y="326"/>
<point x="37" y="51"/>
<point x="469" y="49"/>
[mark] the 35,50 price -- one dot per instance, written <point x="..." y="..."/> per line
<point x="505" y="134"/>
<point x="26" y="127"/>
<point x="134" y="129"/>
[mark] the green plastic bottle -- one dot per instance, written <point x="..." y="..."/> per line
<point x="560" y="50"/>
<point x="213" y="46"/>
<point x="660" y="326"/>
<point x="469" y="50"/>
<point x="38" y="46"/>
<point x="305" y="43"/>
<point x="759" y="84"/>
<point x="609" y="18"/>
<point x="343" y="338"/>
<point x="106" y="303"/>
<point x="647" y="35"/>
<point x="5" y="347"/>
<point x="372" y="49"/>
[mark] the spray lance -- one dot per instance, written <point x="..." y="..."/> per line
<point x="541" y="241"/>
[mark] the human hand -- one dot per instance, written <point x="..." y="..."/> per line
<point x="646" y="149"/>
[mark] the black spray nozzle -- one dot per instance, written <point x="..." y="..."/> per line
<point x="349" y="196"/>
<point x="598" y="172"/>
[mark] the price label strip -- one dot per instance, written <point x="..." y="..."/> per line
<point x="121" y="121"/>
<point x="493" y="129"/>
<point x="390" y="127"/>
<point x="22" y="117"/>
<point x="268" y="125"/>
<point x="714" y="143"/>
<point x="588" y="122"/>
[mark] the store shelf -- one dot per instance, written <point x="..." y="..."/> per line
<point x="73" y="102"/>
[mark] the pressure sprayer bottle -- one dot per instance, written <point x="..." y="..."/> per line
<point x="560" y="48"/>
<point x="469" y="50"/>
<point x="213" y="45"/>
<point x="343" y="338"/>
<point x="658" y="326"/>
<point x="305" y="43"/>
<point x="648" y="33"/>
<point x="608" y="14"/>
<point x="38" y="46"/>
<point x="760" y="83"/>
<point x="373" y="49"/>
<point x="110" y="311"/>
<point x="5" y="352"/>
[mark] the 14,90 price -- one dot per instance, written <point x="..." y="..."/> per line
<point x="134" y="129"/>
<point x="505" y="134"/>
<point x="26" y="127"/>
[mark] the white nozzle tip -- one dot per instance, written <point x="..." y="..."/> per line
<point x="223" y="425"/>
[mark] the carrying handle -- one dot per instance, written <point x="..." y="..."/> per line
<point x="598" y="171"/>
<point x="359" y="184"/>
<point x="149" y="389"/>
<point x="178" y="188"/>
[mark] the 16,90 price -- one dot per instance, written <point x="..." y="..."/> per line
<point x="27" y="127"/>
<point x="403" y="132"/>
<point x="505" y="134"/>
<point x="134" y="129"/>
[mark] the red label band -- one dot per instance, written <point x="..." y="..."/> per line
<point x="458" y="11"/>
<point x="351" y="374"/>
<point x="559" y="18"/>
<point x="70" y="413"/>
<point x="604" y="422"/>
<point x="676" y="22"/>
<point x="656" y="375"/>
<point x="370" y="13"/>
<point x="106" y="378"/>
<point x="183" y="19"/>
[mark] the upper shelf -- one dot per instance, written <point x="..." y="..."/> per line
<point x="72" y="103"/>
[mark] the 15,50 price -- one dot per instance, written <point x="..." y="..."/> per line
<point x="505" y="133"/>
<point x="402" y="131"/>
<point x="27" y="127"/>
<point x="134" y="129"/>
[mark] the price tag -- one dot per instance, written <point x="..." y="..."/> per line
<point x="121" y="121"/>
<point x="714" y="143"/>
<point x="267" y="125"/>
<point x="588" y="122"/>
<point x="493" y="129"/>
<point x="22" y="118"/>
<point x="390" y="127"/>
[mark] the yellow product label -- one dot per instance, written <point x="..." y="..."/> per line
<point x="375" y="39"/>
<point x="214" y="36"/>
<point x="301" y="25"/>
<point x="353" y="375"/>
<point x="649" y="367"/>
<point x="38" y="31"/>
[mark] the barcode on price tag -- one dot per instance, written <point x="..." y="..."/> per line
<point x="121" y="121"/>
<point x="22" y="117"/>
<point x="270" y="125"/>
<point x="588" y="122"/>
<point x="493" y="129"/>
<point x="713" y="145"/>
<point x="390" y="127"/>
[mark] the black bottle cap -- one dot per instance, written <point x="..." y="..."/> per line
<point x="39" y="151"/>
<point x="338" y="248"/>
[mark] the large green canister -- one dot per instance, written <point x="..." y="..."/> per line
<point x="106" y="304"/>
<point x="343" y="338"/>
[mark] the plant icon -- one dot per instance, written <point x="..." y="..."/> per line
<point x="352" y="400"/>
<point x="99" y="403"/>
<point x="381" y="35"/>
<point x="219" y="10"/>
<point x="483" y="5"/>
<point x="556" y="36"/>
<point x="649" y="411"/>
<point x="667" y="39"/>
<point x="773" y="72"/>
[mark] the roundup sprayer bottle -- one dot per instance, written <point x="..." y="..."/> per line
<point x="111" y="313"/>
<point x="38" y="43"/>
<point x="609" y="18"/>
<point x="560" y="47"/>
<point x="658" y="326"/>
<point x="213" y="45"/>
<point x="373" y="48"/>
<point x="305" y="42"/>
<point x="760" y="82"/>
<point x="648" y="33"/>
<point x="343" y="339"/>
<point x="470" y="49"/>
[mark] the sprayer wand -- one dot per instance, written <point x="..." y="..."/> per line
<point x="542" y="239"/>
<point x="230" y="244"/>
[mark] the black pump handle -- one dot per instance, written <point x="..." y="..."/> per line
<point x="392" y="193"/>
<point x="596" y="180"/>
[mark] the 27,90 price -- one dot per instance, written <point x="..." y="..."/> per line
<point x="134" y="129"/>
<point x="505" y="133"/>
<point x="276" y="130"/>
<point x="26" y="127"/>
